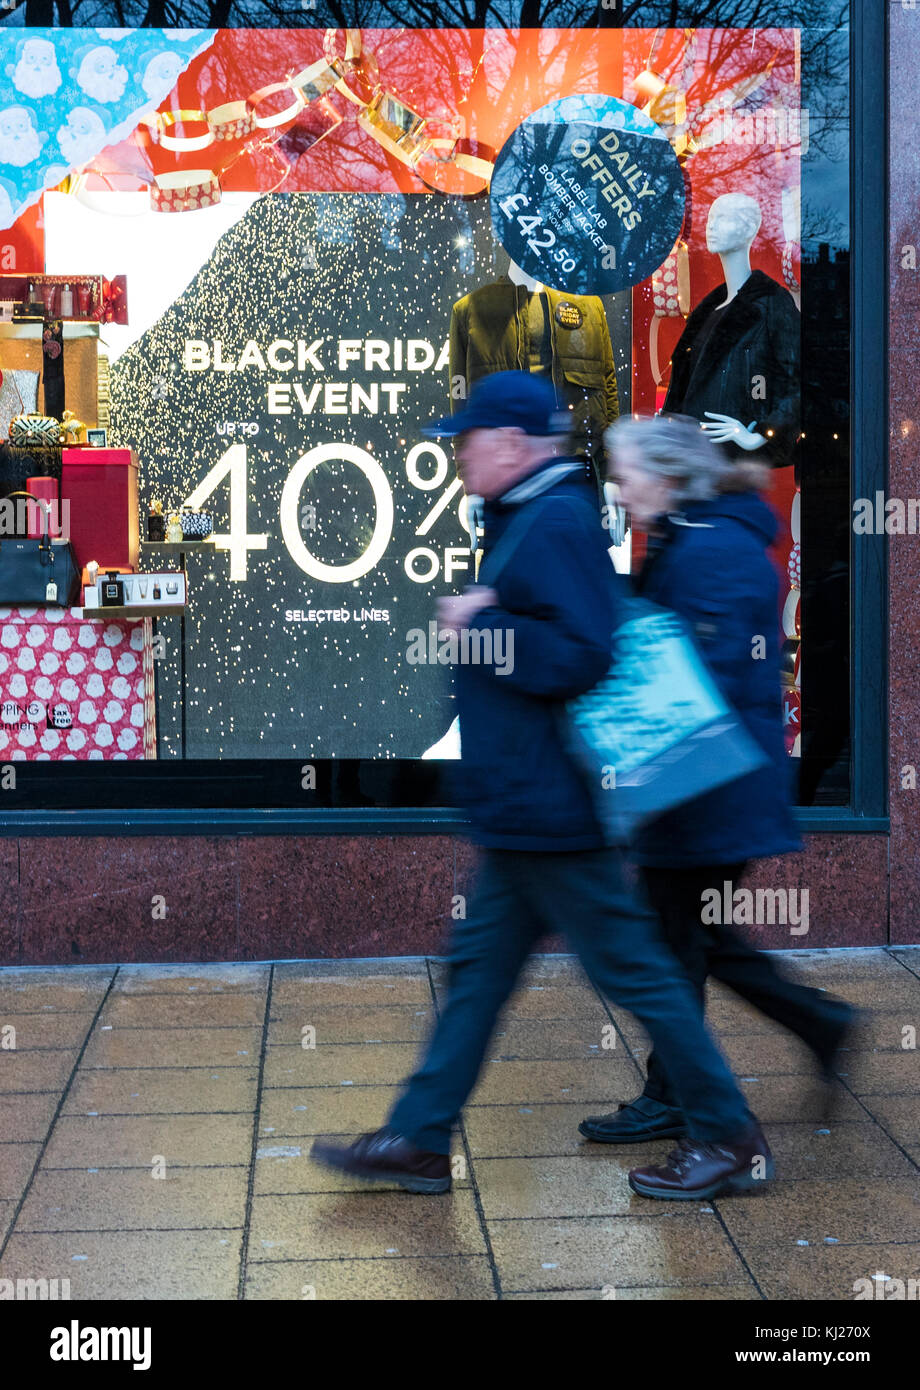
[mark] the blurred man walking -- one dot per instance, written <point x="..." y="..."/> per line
<point x="547" y="584"/>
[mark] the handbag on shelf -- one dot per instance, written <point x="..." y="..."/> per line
<point x="37" y="573"/>
<point x="35" y="431"/>
<point x="18" y="396"/>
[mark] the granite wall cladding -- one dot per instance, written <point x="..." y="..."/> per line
<point x="275" y="897"/>
<point x="904" y="468"/>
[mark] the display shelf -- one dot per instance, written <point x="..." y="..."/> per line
<point x="174" y="547"/>
<point x="159" y="610"/>
<point x="34" y="328"/>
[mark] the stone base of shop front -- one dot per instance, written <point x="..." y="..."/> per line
<point x="70" y="900"/>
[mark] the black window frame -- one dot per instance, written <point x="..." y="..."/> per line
<point x="867" y="811"/>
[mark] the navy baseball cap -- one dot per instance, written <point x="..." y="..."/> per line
<point x="506" y="400"/>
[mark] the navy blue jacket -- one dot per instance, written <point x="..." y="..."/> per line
<point x="558" y="594"/>
<point x="712" y="567"/>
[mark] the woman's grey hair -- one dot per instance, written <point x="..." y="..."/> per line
<point x="673" y="447"/>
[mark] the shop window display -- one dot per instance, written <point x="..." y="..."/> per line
<point x="268" y="256"/>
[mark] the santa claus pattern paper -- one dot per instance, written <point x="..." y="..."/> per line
<point x="68" y="93"/>
<point x="71" y="689"/>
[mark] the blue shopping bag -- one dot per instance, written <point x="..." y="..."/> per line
<point x="655" y="731"/>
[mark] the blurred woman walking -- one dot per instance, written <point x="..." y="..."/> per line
<point x="708" y="536"/>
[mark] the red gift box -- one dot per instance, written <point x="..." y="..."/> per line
<point x="45" y="490"/>
<point x="101" y="487"/>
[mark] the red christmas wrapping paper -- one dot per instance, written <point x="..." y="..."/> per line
<point x="73" y="690"/>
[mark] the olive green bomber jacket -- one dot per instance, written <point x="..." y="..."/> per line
<point x="488" y="333"/>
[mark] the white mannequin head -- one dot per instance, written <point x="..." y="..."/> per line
<point x="517" y="276"/>
<point x="734" y="221"/>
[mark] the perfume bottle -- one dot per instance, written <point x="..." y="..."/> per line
<point x="66" y="302"/>
<point x="156" y="522"/>
<point x="157" y="592"/>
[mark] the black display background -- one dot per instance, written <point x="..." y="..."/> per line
<point x="307" y="266"/>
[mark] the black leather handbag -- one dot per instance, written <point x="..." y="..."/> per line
<point x="37" y="573"/>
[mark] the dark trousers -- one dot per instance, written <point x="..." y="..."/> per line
<point x="519" y="897"/>
<point x="712" y="949"/>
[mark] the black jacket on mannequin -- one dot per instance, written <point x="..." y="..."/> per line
<point x="748" y="367"/>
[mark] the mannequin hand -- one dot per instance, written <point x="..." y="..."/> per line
<point x="475" y="513"/>
<point x="724" y="429"/>
<point x="614" y="515"/>
<point x="455" y="613"/>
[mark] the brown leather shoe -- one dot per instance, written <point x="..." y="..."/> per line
<point x="387" y="1157"/>
<point x="697" y="1171"/>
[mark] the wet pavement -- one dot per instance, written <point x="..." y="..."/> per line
<point x="156" y="1122"/>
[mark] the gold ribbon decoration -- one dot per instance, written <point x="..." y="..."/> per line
<point x="162" y="125"/>
<point x="671" y="299"/>
<point x="274" y="120"/>
<point x="430" y="147"/>
<point x="671" y="284"/>
<point x="395" y="126"/>
<point x="234" y="120"/>
<point x="667" y="107"/>
<point x="357" y="72"/>
<point x="314" y="81"/>
<point x="471" y="157"/>
<point x="185" y="191"/>
<point x="689" y="132"/>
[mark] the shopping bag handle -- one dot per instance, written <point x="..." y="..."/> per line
<point x="44" y="511"/>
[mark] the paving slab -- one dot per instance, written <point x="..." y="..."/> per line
<point x="140" y="1135"/>
<point x="131" y="1265"/>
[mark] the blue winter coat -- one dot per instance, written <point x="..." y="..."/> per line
<point x="713" y="568"/>
<point x="559" y="596"/>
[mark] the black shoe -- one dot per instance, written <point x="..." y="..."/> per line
<point x="699" y="1171"/>
<point x="386" y="1157"/>
<point x="635" y="1122"/>
<point x="836" y="1034"/>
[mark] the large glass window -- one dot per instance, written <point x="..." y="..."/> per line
<point x="313" y="270"/>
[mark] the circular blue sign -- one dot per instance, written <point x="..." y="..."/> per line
<point x="587" y="195"/>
